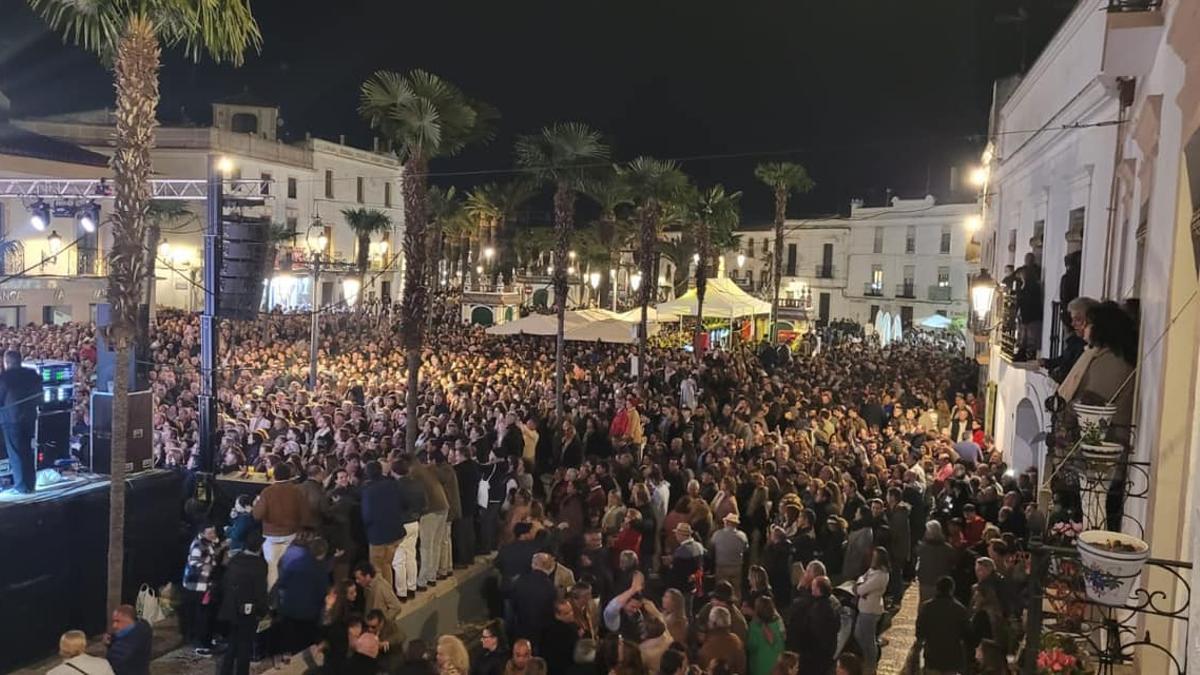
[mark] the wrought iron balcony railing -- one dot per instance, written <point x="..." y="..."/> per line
<point x="906" y="290"/>
<point x="872" y="290"/>
<point x="1134" y="5"/>
<point x="825" y="272"/>
<point x="940" y="293"/>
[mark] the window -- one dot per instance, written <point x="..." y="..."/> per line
<point x="945" y="247"/>
<point x="328" y="184"/>
<point x="292" y="225"/>
<point x="791" y="260"/>
<point x="291" y="188"/>
<point x="910" y="273"/>
<point x="266" y="182"/>
<point x="1076" y="220"/>
<point x="874" y="312"/>
<point x="750" y="247"/>
<point x="910" y="239"/>
<point x="762" y="278"/>
<point x="877" y="277"/>
<point x="878" y="247"/>
<point x="943" y="277"/>
<point x="358" y="194"/>
<point x="387" y="194"/>
<point x="244" y="123"/>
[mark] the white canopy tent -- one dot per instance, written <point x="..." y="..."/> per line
<point x="612" y="330"/>
<point x="885" y="328"/>
<point x="547" y="324"/>
<point x="936" y="322"/>
<point x="653" y="315"/>
<point x="897" y="329"/>
<point x="722" y="300"/>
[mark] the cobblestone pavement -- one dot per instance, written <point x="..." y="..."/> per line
<point x="901" y="635"/>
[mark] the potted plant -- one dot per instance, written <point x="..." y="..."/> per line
<point x="1059" y="655"/>
<point x="1111" y="561"/>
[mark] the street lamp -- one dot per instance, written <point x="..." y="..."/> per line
<point x="488" y="253"/>
<point x="635" y="281"/>
<point x="983" y="292"/>
<point x="55" y="242"/>
<point x="225" y="166"/>
<point x="571" y="255"/>
<point x="741" y="260"/>
<point x="979" y="176"/>
<point x="317" y="243"/>
<point x="973" y="223"/>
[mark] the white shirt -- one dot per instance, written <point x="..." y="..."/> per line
<point x="92" y="665"/>
<point x="659" y="500"/>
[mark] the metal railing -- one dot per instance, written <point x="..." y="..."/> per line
<point x="825" y="272"/>
<point x="906" y="290"/>
<point x="1056" y="337"/>
<point x="872" y="290"/>
<point x="1134" y="5"/>
<point x="1007" y="325"/>
<point x="940" y="293"/>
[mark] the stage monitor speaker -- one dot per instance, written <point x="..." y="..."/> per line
<point x="52" y="436"/>
<point x="139" y="451"/>
<point x="245" y="252"/>
<point x="106" y="358"/>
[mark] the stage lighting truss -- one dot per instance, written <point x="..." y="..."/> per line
<point x="101" y="189"/>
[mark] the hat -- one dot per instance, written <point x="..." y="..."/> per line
<point x="684" y="530"/>
<point x="732" y="518"/>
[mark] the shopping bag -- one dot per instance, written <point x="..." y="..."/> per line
<point x="148" y="607"/>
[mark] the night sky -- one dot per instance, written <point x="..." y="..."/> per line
<point x="868" y="94"/>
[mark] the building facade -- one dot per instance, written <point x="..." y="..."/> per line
<point x="1096" y="151"/>
<point x="907" y="258"/>
<point x="308" y="186"/>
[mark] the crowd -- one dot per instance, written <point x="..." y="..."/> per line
<point x="751" y="512"/>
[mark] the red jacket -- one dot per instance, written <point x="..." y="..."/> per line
<point x="628" y="539"/>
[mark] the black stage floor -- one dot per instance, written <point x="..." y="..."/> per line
<point x="53" y="552"/>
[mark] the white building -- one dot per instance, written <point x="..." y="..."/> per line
<point x="1097" y="150"/>
<point x="310" y="183"/>
<point x="907" y="258"/>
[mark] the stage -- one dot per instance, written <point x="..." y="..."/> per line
<point x="53" y="575"/>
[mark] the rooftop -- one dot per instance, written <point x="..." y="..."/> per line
<point x="18" y="142"/>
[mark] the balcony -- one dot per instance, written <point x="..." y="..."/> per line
<point x="940" y="293"/>
<point x="906" y="290"/>
<point x="1133" y="5"/>
<point x="1131" y="41"/>
<point x="825" y="272"/>
<point x="872" y="290"/>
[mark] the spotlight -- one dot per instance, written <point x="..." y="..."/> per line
<point x="88" y="216"/>
<point x="39" y="215"/>
<point x="55" y="243"/>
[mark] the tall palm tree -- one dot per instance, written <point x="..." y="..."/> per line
<point x="423" y="117"/>
<point x="494" y="205"/>
<point x="785" y="179"/>
<point x="445" y="206"/>
<point x="655" y="184"/>
<point x="128" y="34"/>
<point x="716" y="215"/>
<point x="364" y="223"/>
<point x="562" y="155"/>
<point x="613" y="197"/>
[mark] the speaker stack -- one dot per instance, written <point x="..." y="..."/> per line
<point x="245" y="252"/>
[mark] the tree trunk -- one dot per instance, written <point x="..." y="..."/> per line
<point x="416" y="295"/>
<point x="777" y="265"/>
<point x="649" y="237"/>
<point x="701" y="290"/>
<point x="136" y="76"/>
<point x="564" y="221"/>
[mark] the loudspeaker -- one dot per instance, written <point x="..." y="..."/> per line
<point x="106" y="357"/>
<point x="244" y="253"/>
<point x="139" y="451"/>
<point x="52" y="436"/>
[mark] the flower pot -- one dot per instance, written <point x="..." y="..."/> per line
<point x="1094" y="419"/>
<point x="1109" y="574"/>
<point x="1103" y="451"/>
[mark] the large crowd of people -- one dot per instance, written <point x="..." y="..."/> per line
<point x="753" y="511"/>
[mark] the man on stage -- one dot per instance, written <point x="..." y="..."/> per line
<point x="20" y="389"/>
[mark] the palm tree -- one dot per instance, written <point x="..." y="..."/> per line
<point x="654" y="184"/>
<point x="562" y="155"/>
<point x="128" y="35"/>
<point x="423" y="117"/>
<point x="784" y="179"/>
<point x="612" y="195"/>
<point x="493" y="205"/>
<point x="445" y="207"/>
<point x="364" y="223"/>
<point x="716" y="216"/>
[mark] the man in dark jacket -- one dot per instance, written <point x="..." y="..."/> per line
<point x="466" y="469"/>
<point x="412" y="506"/>
<point x="943" y="627"/>
<point x="533" y="600"/>
<point x="20" y="390"/>
<point x="381" y="500"/>
<point x="128" y="642"/>
<point x="818" y="633"/>
<point x="243" y="603"/>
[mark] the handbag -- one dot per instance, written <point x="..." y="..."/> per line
<point x="148" y="607"/>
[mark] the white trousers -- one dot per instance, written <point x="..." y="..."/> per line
<point x="273" y="548"/>
<point x="404" y="563"/>
<point x="433" y="532"/>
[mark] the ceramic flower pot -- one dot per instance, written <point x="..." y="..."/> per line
<point x="1103" y="451"/>
<point x="1094" y="419"/>
<point x="1112" y="562"/>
